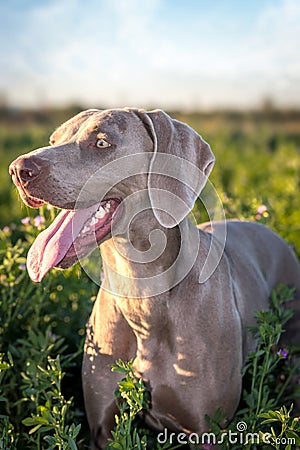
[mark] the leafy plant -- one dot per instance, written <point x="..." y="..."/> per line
<point x="43" y="385"/>
<point x="268" y="375"/>
<point x="289" y="433"/>
<point x="7" y="438"/>
<point x="262" y="363"/>
<point x="130" y="399"/>
<point x="42" y="331"/>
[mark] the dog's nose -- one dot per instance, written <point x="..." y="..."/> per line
<point x="26" y="169"/>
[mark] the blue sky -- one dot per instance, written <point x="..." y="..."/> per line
<point x="158" y="53"/>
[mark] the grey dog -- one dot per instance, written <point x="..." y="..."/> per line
<point x="186" y="332"/>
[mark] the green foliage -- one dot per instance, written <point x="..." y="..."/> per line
<point x="14" y="140"/>
<point x="262" y="362"/>
<point x="41" y="332"/>
<point x="132" y="397"/>
<point x="257" y="163"/>
<point x="7" y="438"/>
<point x="269" y="376"/>
<point x="43" y="386"/>
<point x="289" y="428"/>
<point x="132" y="391"/>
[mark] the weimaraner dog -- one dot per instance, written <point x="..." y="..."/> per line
<point x="126" y="179"/>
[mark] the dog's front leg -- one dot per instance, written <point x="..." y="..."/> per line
<point x="109" y="338"/>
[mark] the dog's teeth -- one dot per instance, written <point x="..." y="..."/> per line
<point x="93" y="221"/>
<point x="107" y="207"/>
<point x="100" y="213"/>
<point x="85" y="229"/>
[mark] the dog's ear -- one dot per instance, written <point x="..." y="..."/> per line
<point x="179" y="168"/>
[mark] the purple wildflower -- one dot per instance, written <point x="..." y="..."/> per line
<point x="38" y="221"/>
<point x="25" y="220"/>
<point x="261" y="209"/>
<point x="22" y="266"/>
<point x="52" y="336"/>
<point x="206" y="446"/>
<point x="282" y="354"/>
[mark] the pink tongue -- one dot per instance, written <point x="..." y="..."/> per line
<point x="52" y="244"/>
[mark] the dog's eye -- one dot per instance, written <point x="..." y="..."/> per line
<point x="101" y="143"/>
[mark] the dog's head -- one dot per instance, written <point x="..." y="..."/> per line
<point x="95" y="161"/>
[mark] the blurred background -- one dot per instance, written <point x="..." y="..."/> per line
<point x="192" y="54"/>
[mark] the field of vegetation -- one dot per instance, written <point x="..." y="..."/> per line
<point x="42" y="327"/>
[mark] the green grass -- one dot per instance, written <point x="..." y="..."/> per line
<point x="43" y="325"/>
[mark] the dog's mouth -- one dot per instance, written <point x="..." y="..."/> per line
<point x="70" y="237"/>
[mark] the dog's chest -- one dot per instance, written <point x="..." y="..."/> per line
<point x="147" y="317"/>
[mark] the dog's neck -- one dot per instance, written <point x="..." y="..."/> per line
<point x="144" y="260"/>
